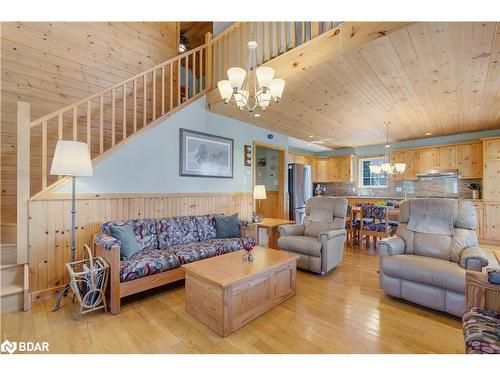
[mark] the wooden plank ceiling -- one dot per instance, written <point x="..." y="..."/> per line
<point x="439" y="78"/>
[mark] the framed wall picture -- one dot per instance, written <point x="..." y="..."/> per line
<point x="205" y="155"/>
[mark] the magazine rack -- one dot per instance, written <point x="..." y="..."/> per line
<point x="88" y="280"/>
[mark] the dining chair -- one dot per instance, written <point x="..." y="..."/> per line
<point x="351" y="226"/>
<point x="378" y="225"/>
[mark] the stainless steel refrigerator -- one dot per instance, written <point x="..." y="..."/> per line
<point x="300" y="189"/>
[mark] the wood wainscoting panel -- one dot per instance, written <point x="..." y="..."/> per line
<point x="50" y="224"/>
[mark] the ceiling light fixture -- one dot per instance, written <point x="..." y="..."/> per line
<point x="252" y="88"/>
<point x="386" y="167"/>
<point x="428" y="133"/>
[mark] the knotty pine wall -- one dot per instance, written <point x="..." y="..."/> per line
<point x="52" y="64"/>
<point x="50" y="225"/>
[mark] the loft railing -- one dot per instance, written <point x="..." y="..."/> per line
<point x="273" y="39"/>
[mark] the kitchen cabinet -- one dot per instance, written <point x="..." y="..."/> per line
<point x="447" y="157"/>
<point x="479" y="217"/>
<point x="491" y="180"/>
<point x="426" y="159"/>
<point x="321" y="168"/>
<point x="407" y="157"/>
<point x="345" y="168"/>
<point x="491" y="148"/>
<point x="470" y="160"/>
<point x="333" y="169"/>
<point x="492" y="221"/>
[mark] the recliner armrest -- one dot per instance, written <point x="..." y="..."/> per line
<point x="332" y="234"/>
<point x="473" y="258"/>
<point x="391" y="246"/>
<point x="291" y="230"/>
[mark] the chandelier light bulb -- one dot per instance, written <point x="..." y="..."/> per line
<point x="263" y="99"/>
<point x="277" y="87"/>
<point x="400" y="167"/>
<point x="265" y="76"/>
<point x="375" y="169"/>
<point x="241" y="98"/>
<point x="225" y="90"/>
<point x="236" y="76"/>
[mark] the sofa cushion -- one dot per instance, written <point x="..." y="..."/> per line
<point x="144" y="230"/>
<point x="227" y="226"/>
<point x="205" y="225"/>
<point x="192" y="252"/>
<point x="301" y="244"/>
<point x="176" y="231"/>
<point x="431" y="271"/>
<point x="481" y="331"/>
<point x="432" y="245"/>
<point x="125" y="234"/>
<point x="148" y="262"/>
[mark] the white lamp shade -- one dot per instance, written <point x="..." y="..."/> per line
<point x="277" y="86"/>
<point x="259" y="192"/>
<point x="265" y="75"/>
<point x="225" y="90"/>
<point x="400" y="167"/>
<point x="241" y="98"/>
<point x="263" y="99"/>
<point x="386" y="167"/>
<point x="236" y="76"/>
<point x="71" y="159"/>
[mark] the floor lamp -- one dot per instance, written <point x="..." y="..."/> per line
<point x="259" y="193"/>
<point x="71" y="158"/>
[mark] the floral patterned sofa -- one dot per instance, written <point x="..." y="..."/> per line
<point x="165" y="244"/>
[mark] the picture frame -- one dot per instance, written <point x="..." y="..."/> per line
<point x="205" y="155"/>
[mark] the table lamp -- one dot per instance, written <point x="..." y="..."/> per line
<point x="71" y="158"/>
<point x="259" y="193"/>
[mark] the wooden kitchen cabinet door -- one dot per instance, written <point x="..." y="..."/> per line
<point x="470" y="160"/>
<point x="492" y="149"/>
<point x="448" y="157"/>
<point x="345" y="169"/>
<point x="492" y="221"/>
<point x="322" y="170"/>
<point x="491" y="180"/>
<point x="334" y="169"/>
<point x="426" y="159"/>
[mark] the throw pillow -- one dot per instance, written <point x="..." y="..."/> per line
<point x="125" y="234"/>
<point x="227" y="226"/>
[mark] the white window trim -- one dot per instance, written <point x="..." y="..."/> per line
<point x="360" y="173"/>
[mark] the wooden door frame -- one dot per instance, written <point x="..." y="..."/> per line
<point x="282" y="194"/>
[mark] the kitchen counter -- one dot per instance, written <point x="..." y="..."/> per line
<point x="395" y="198"/>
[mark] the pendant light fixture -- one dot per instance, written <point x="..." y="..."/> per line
<point x="386" y="167"/>
<point x="253" y="88"/>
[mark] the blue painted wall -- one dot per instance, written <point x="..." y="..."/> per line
<point x="150" y="163"/>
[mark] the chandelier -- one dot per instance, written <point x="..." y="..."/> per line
<point x="386" y="167"/>
<point x="252" y="88"/>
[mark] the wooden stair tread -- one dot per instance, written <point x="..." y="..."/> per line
<point x="8" y="290"/>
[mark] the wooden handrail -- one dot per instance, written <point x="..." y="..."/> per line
<point x="64" y="109"/>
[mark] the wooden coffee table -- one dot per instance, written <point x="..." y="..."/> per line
<point x="225" y="293"/>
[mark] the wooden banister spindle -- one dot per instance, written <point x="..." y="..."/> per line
<point x="262" y="58"/>
<point x="89" y="111"/>
<point x="163" y="90"/>
<point x="135" y="104"/>
<point x="113" y="118"/>
<point x="101" y="124"/>
<point x="284" y="39"/>
<point x="23" y="180"/>
<point x="144" y="101"/>
<point x="194" y="74"/>
<point x="276" y="45"/>
<point x="60" y="126"/>
<point x="186" y="78"/>
<point x="293" y="35"/>
<point x="303" y="36"/>
<point x="201" y="69"/>
<point x="178" y="81"/>
<point x="153" y="96"/>
<point x="124" y="113"/>
<point x="171" y="87"/>
<point x="314" y="29"/>
<point x="75" y="123"/>
<point x="44" y="154"/>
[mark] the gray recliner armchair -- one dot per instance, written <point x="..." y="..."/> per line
<point x="425" y="262"/>
<point x="319" y="242"/>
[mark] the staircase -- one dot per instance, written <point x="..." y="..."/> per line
<point x="113" y="117"/>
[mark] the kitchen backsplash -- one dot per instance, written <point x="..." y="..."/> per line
<point x="442" y="187"/>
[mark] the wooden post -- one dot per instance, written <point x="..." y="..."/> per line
<point x="208" y="64"/>
<point x="23" y="179"/>
<point x="314" y="29"/>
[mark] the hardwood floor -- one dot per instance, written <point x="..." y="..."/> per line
<point x="344" y="312"/>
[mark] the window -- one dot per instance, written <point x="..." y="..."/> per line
<point x="366" y="178"/>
